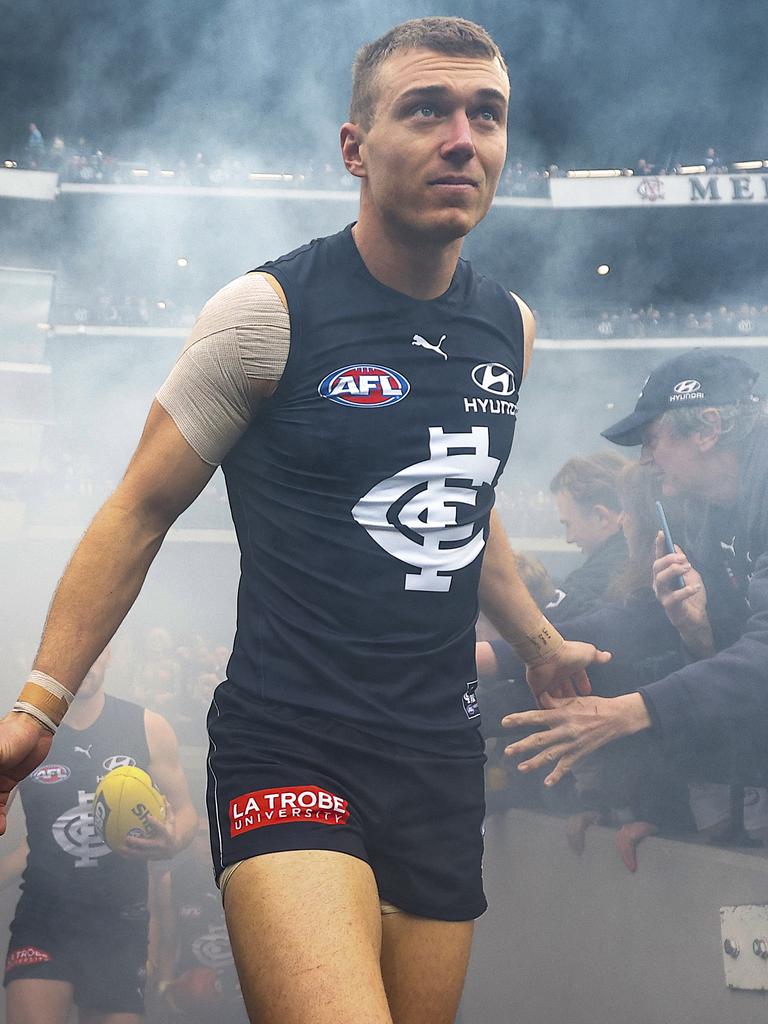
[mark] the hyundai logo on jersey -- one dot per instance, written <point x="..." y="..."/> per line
<point x="364" y="386"/>
<point x="495" y="378"/>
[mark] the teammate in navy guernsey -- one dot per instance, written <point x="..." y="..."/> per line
<point x="360" y="395"/>
<point x="80" y="931"/>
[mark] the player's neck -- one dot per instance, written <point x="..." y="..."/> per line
<point x="85" y="711"/>
<point x="416" y="267"/>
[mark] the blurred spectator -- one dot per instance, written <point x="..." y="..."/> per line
<point x="605" y="325"/>
<point x="586" y="494"/>
<point x="35" y="147"/>
<point x="712" y="161"/>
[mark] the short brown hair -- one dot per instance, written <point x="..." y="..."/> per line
<point x="442" y="35"/>
<point x="592" y="479"/>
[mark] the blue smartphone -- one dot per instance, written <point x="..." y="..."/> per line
<point x="669" y="544"/>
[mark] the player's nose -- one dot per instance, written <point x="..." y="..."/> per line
<point x="458" y="144"/>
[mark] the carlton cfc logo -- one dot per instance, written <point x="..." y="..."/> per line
<point x="364" y="386"/>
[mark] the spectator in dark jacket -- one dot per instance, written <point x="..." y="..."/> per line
<point x="706" y="434"/>
<point x="586" y="494"/>
<point x="629" y="784"/>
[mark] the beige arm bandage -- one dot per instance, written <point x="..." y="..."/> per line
<point x="44" y="699"/>
<point x="241" y="337"/>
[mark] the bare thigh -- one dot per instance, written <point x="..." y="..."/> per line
<point x="38" y="1001"/>
<point x="424" y="963"/>
<point x="306" y="935"/>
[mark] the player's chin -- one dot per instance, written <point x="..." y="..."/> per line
<point x="449" y="223"/>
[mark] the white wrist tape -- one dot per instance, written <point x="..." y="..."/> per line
<point x="45" y="699"/>
<point x="30" y="709"/>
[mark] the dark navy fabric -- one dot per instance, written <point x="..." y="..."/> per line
<point x="361" y="496"/>
<point x="713" y="713"/>
<point x="101" y="951"/>
<point x="67" y="859"/>
<point x="414" y="816"/>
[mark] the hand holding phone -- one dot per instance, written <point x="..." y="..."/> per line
<point x="669" y="544"/>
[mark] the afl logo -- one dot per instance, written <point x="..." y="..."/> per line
<point x="50" y="773"/>
<point x="685" y="387"/>
<point x="119" y="761"/>
<point x="495" y="378"/>
<point x="364" y="386"/>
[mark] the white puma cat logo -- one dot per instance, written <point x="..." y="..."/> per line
<point x="729" y="547"/>
<point x="82" y="750"/>
<point x="423" y="343"/>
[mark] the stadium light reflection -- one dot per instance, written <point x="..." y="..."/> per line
<point x="257" y="176"/>
<point x="612" y="172"/>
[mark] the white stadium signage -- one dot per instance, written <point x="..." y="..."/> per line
<point x="661" y="190"/>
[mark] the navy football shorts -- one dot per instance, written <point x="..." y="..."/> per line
<point x="101" y="952"/>
<point x="280" y="778"/>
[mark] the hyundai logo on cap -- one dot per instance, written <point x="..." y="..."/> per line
<point x="691" y="378"/>
<point x="685" y="387"/>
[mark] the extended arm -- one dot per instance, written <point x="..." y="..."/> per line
<point x="107" y="570"/>
<point x="554" y="665"/>
<point x="104" y="577"/>
<point x="234" y="358"/>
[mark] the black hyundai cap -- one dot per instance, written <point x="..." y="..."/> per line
<point x="697" y="377"/>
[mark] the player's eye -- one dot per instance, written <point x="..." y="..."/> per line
<point x="487" y="114"/>
<point x="426" y="110"/>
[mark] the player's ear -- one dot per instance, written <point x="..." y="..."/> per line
<point x="352" y="138"/>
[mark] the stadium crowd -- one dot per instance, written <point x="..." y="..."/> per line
<point x="747" y="319"/>
<point x="85" y="162"/>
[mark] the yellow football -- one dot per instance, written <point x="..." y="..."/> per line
<point x="122" y="803"/>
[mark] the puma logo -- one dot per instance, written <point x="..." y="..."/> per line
<point x="729" y="547"/>
<point x="423" y="343"/>
<point x="82" y="750"/>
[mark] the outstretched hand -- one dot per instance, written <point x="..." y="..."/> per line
<point x="569" y="730"/>
<point x="24" y="743"/>
<point x="565" y="674"/>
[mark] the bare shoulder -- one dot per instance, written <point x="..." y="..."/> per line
<point x="529" y="329"/>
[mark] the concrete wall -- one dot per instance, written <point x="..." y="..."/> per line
<point x="581" y="940"/>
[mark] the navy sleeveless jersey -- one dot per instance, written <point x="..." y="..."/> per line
<point x="67" y="861"/>
<point x="361" y="496"/>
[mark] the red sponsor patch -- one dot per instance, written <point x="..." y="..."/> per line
<point x="266" y="807"/>
<point x="27" y="956"/>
